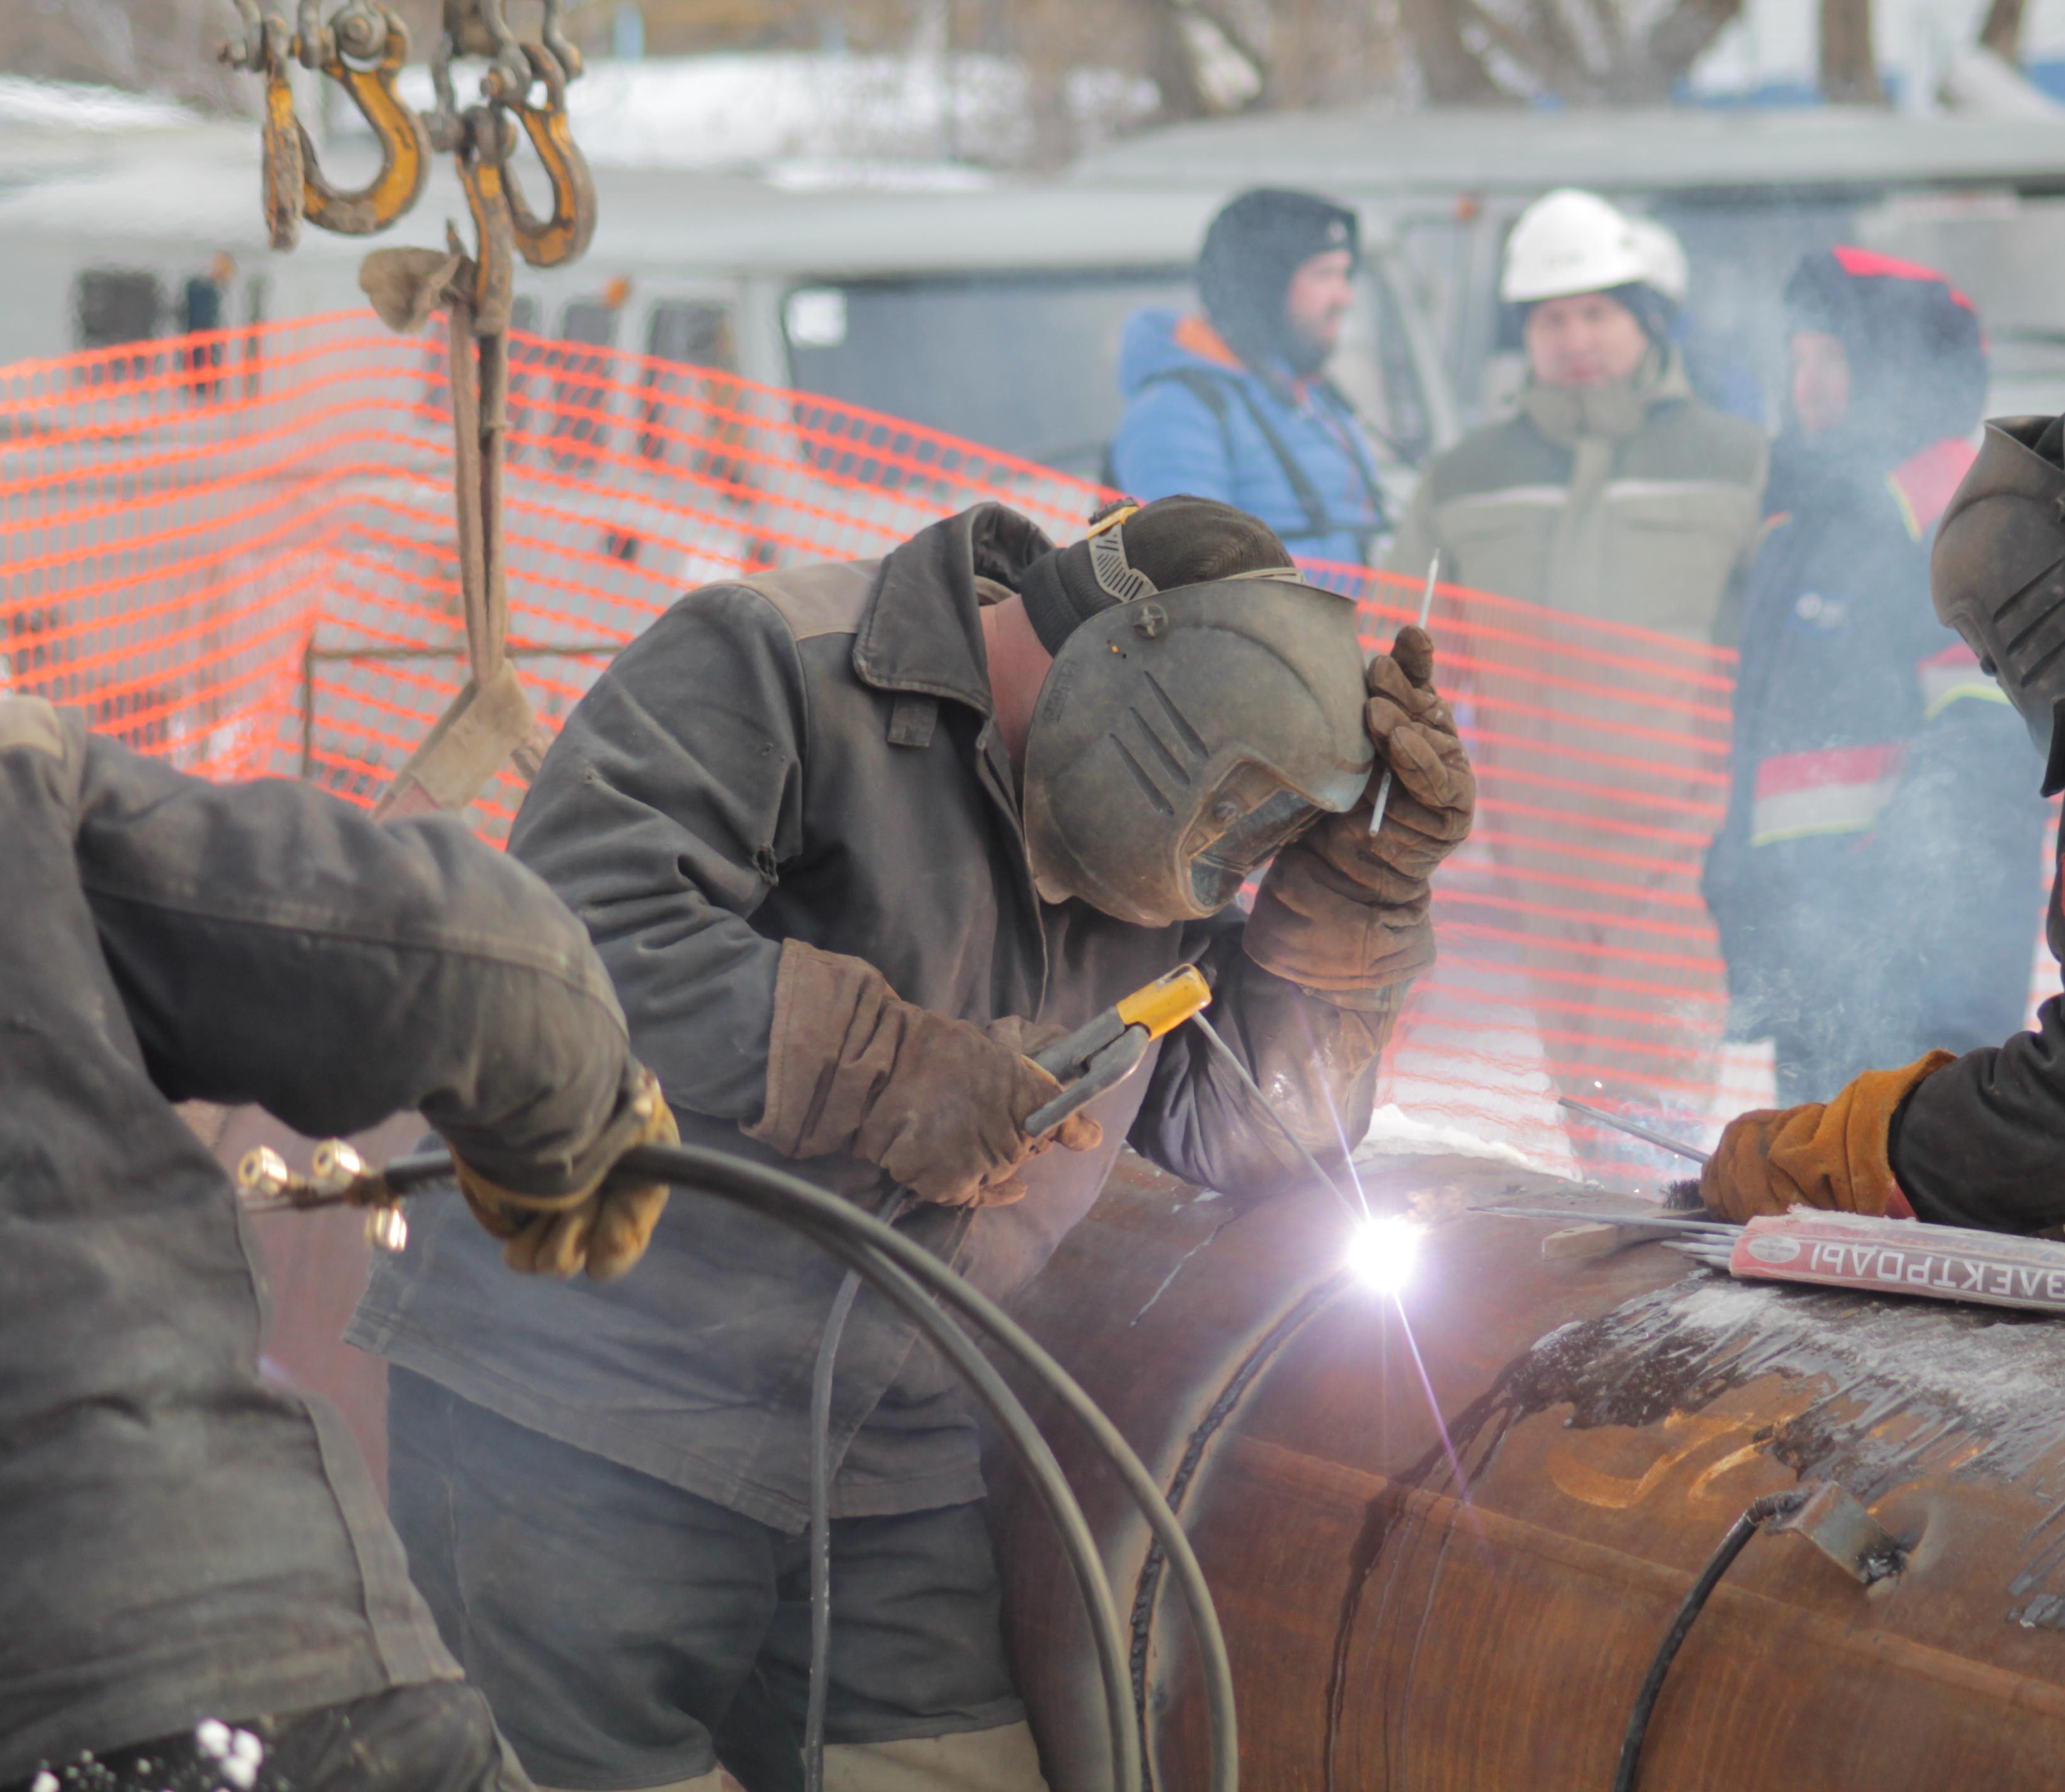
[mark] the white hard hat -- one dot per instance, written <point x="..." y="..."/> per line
<point x="1668" y="273"/>
<point x="1571" y="241"/>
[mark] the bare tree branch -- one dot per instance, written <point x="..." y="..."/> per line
<point x="1454" y="74"/>
<point x="1558" y="58"/>
<point x="1849" y="66"/>
<point x="2002" y="32"/>
<point x="1685" y="33"/>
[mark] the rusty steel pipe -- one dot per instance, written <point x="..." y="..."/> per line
<point x="1446" y="1535"/>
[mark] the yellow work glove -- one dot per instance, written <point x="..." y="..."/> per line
<point x="1832" y="1154"/>
<point x="603" y="1227"/>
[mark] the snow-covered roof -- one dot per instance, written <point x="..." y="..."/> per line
<point x="842" y="115"/>
<point x="65" y="106"/>
<point x="1369" y="152"/>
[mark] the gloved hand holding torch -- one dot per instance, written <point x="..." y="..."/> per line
<point x="937" y="1102"/>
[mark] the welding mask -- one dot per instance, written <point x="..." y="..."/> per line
<point x="1998" y="574"/>
<point x="1183" y="737"/>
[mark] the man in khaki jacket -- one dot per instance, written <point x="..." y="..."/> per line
<point x="1615" y="494"/>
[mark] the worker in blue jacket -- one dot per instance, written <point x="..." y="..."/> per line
<point x="1233" y="403"/>
<point x="1879" y="780"/>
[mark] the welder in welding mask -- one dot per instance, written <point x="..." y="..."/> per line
<point x="853" y="840"/>
<point x="1978" y="1140"/>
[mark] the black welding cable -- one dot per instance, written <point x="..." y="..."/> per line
<point x="795" y="1202"/>
<point x="789" y="1197"/>
<point x="821" y="1515"/>
<point x="1033" y="1449"/>
<point x="1770" y="1505"/>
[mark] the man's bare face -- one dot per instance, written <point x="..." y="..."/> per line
<point x="1820" y="381"/>
<point x="1318" y="298"/>
<point x="1587" y="339"/>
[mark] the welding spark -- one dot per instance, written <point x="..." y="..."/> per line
<point x="1384" y="1252"/>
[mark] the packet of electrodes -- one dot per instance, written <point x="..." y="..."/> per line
<point x="1901" y="1256"/>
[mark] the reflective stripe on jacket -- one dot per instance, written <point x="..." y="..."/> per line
<point x="1880" y="851"/>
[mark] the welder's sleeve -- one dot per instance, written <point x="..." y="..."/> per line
<point x="1316" y="1059"/>
<point x="274" y="945"/>
<point x="662" y="816"/>
<point x="1981" y="1143"/>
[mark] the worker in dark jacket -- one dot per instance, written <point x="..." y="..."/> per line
<point x="1976" y="1140"/>
<point x="850" y="838"/>
<point x="1233" y="402"/>
<point x="199" y="1588"/>
<point x="1879" y="778"/>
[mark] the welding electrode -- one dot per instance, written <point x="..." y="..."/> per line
<point x="1426" y="609"/>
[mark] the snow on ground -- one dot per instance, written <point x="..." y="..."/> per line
<point x="74" y="106"/>
<point x="815" y="118"/>
<point x="1392" y="1130"/>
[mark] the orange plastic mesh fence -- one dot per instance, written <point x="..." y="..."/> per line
<point x="237" y="550"/>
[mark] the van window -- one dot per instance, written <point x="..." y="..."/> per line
<point x="113" y="305"/>
<point x="580" y="397"/>
<point x="689" y="410"/>
<point x="1026" y="363"/>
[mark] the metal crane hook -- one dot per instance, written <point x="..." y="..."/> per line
<point x="563" y="236"/>
<point x="295" y="186"/>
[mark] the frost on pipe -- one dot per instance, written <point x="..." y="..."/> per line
<point x="1461" y="1580"/>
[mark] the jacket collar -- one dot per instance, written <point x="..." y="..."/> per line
<point x="923" y="630"/>
<point x="1195" y="335"/>
<point x="1566" y="414"/>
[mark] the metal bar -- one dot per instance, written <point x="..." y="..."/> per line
<point x="1426" y="609"/>
<point x="1634" y="1127"/>
<point x="1669" y="1223"/>
<point x="577" y="650"/>
<point x="1358" y="1207"/>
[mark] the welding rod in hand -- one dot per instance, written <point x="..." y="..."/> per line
<point x="1104" y="1050"/>
<point x="1635" y="1127"/>
<point x="1426" y="609"/>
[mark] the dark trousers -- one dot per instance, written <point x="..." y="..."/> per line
<point x="628" y="1633"/>
<point x="433" y="1738"/>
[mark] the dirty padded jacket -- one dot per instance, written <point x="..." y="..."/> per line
<point x="810" y="754"/>
<point x="180" y="1536"/>
<point x="1637" y="504"/>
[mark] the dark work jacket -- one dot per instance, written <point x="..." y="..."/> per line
<point x="810" y="755"/>
<point x="180" y="1538"/>
<point x="1879" y="856"/>
<point x="1981" y="1143"/>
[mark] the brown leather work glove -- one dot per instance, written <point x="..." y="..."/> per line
<point x="603" y="1227"/>
<point x="1823" y="1155"/>
<point x="936" y="1102"/>
<point x="1341" y="910"/>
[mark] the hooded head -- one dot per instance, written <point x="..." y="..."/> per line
<point x="1203" y="706"/>
<point x="1913" y="366"/>
<point x="1255" y="246"/>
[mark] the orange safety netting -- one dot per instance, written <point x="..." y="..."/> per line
<point x="237" y="551"/>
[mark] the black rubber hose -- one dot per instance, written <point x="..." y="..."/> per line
<point x="1034" y="1450"/>
<point x="821" y="1379"/>
<point x="1770" y="1505"/>
<point x="821" y="1531"/>
<point x="792" y="1198"/>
